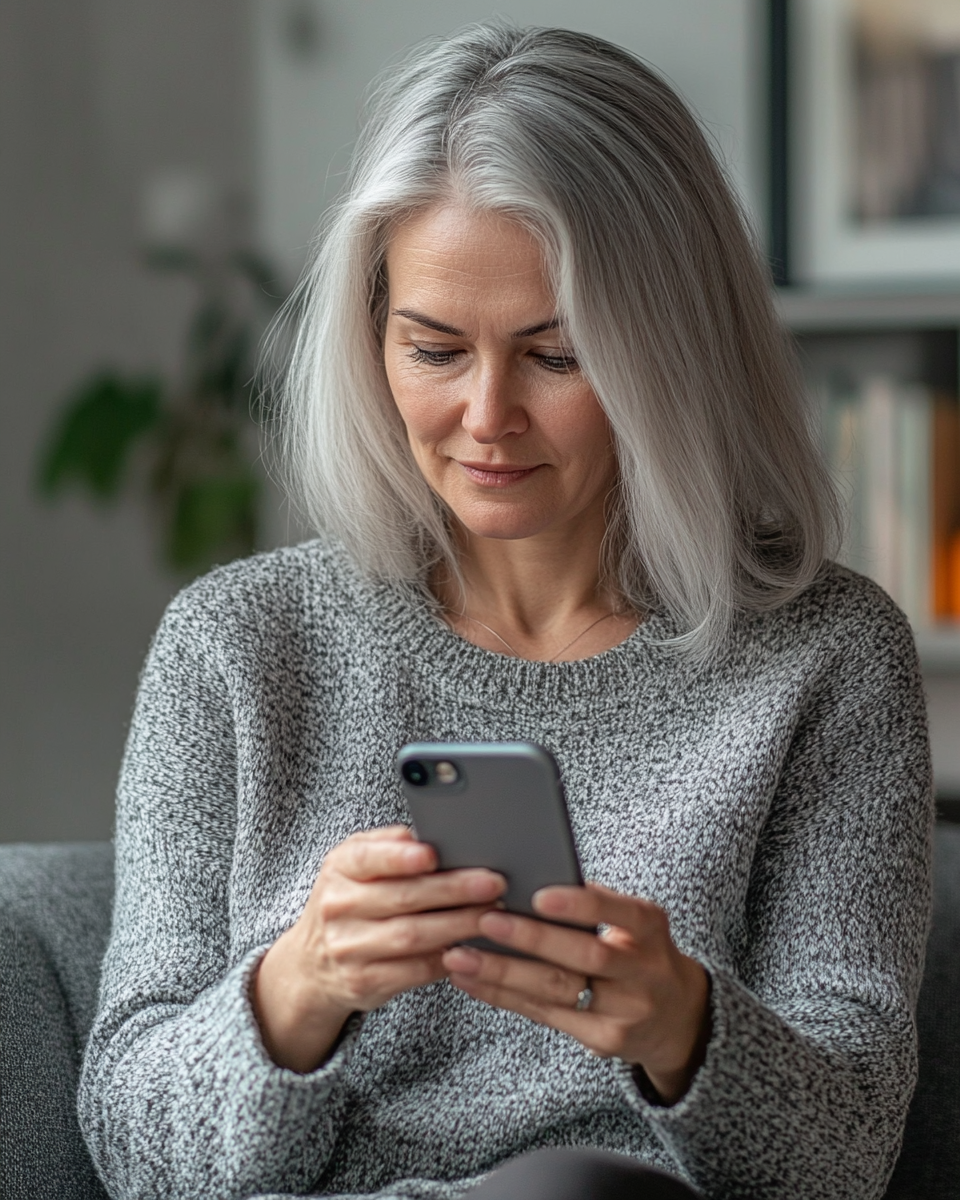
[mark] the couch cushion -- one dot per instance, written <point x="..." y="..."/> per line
<point x="929" y="1165"/>
<point x="54" y="920"/>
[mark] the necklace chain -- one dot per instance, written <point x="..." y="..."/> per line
<point x="562" y="650"/>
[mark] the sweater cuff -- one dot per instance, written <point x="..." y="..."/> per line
<point x="321" y="1080"/>
<point x="281" y="1116"/>
<point x="640" y="1093"/>
<point x="739" y="1129"/>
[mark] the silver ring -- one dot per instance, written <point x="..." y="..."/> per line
<point x="584" y="998"/>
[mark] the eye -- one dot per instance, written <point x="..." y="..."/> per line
<point x="558" y="362"/>
<point x="436" y="358"/>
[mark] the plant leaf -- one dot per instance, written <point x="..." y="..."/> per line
<point x="207" y="326"/>
<point x="227" y="374"/>
<point x="90" y="443"/>
<point x="213" y="520"/>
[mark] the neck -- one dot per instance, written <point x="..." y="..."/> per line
<point x="535" y="594"/>
<point x="527" y="588"/>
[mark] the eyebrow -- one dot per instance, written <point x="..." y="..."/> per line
<point x="430" y="323"/>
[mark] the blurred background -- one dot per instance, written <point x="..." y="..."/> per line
<point x="162" y="167"/>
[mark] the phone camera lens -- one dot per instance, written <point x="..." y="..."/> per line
<point x="446" y="772"/>
<point x="415" y="772"/>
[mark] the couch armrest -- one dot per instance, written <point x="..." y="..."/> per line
<point x="929" y="1164"/>
<point x="55" y="905"/>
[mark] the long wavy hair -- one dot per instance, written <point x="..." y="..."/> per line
<point x="723" y="503"/>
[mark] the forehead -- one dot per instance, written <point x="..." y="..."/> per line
<point x="455" y="247"/>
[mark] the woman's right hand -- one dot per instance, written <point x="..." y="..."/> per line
<point x="377" y="922"/>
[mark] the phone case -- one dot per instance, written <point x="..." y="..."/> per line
<point x="504" y="810"/>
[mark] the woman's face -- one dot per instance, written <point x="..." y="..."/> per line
<point x="499" y="418"/>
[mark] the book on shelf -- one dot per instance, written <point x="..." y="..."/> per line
<point x="894" y="451"/>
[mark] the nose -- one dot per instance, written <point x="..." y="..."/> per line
<point x="493" y="406"/>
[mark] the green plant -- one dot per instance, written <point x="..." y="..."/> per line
<point x="189" y="447"/>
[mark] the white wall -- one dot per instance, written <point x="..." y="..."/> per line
<point x="307" y="102"/>
<point x="95" y="95"/>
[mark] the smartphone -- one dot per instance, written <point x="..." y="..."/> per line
<point x="493" y="804"/>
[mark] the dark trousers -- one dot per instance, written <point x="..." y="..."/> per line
<point x="577" y="1174"/>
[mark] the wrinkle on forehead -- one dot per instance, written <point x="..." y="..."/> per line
<point x="453" y="251"/>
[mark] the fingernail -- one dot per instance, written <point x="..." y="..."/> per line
<point x="485" y="885"/>
<point x="497" y="924"/>
<point x="549" y="901"/>
<point x="462" y="959"/>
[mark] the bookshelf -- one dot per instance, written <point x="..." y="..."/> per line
<point x="806" y="312"/>
<point x="910" y="341"/>
<point x="939" y="651"/>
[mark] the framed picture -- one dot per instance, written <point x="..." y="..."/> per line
<point x="865" y="144"/>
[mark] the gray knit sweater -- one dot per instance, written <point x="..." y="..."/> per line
<point x="777" y="805"/>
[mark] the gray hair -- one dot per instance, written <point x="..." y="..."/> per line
<point x="723" y="503"/>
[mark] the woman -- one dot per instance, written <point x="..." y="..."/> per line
<point x="541" y="408"/>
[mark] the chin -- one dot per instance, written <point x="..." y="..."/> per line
<point x="505" y="517"/>
<point x="502" y="526"/>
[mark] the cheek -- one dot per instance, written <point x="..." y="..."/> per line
<point x="580" y="428"/>
<point x="427" y="419"/>
<point x="421" y="406"/>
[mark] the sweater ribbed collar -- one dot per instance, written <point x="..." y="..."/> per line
<point x="445" y="661"/>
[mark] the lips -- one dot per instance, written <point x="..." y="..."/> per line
<point x="496" y="475"/>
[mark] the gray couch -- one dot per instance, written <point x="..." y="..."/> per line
<point x="54" y="917"/>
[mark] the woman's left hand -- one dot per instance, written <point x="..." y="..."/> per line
<point x="650" y="1003"/>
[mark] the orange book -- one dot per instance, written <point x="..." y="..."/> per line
<point x="946" y="508"/>
<point x="953" y="582"/>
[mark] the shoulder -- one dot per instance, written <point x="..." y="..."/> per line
<point x="274" y="577"/>
<point x="267" y="598"/>
<point x="840" y="643"/>
<point x="840" y="597"/>
<point x="840" y="662"/>
<point x="841" y="617"/>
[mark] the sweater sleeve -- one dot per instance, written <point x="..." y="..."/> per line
<point x="812" y="1058"/>
<point x="177" y="1095"/>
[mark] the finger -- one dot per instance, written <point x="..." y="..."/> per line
<point x="576" y="950"/>
<point x="363" y="858"/>
<point x="600" y="1035"/>
<point x="376" y="899"/>
<point x="399" y="832"/>
<point x="502" y="980"/>
<point x="552" y="984"/>
<point x="597" y="905"/>
<point x="404" y="936"/>
<point x="370" y="984"/>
